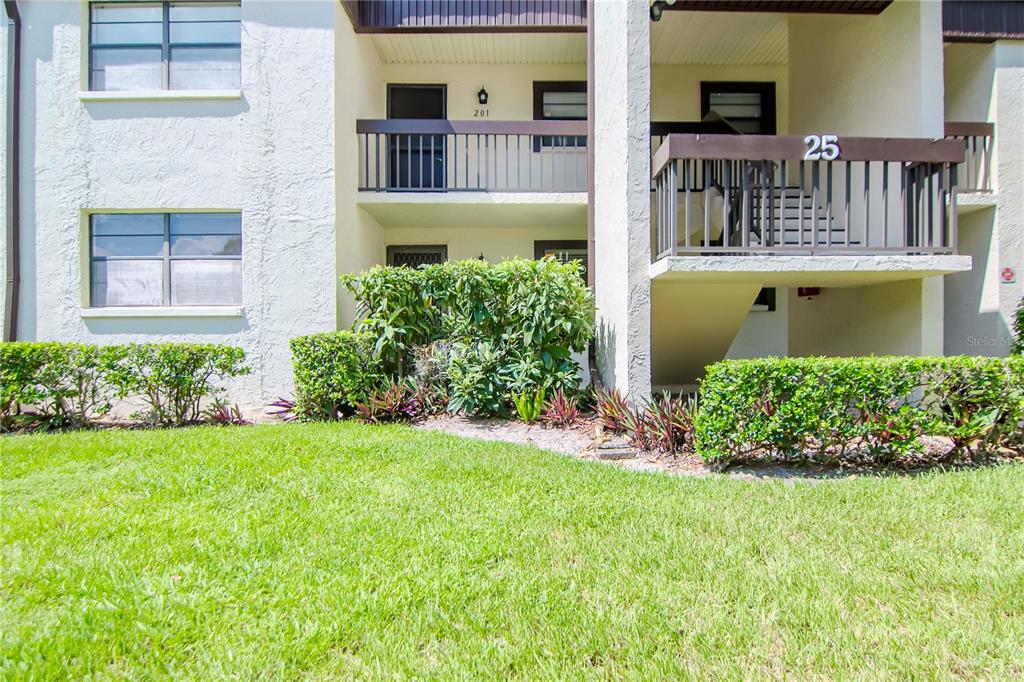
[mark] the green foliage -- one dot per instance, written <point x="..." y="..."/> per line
<point x="836" y="408"/>
<point x="64" y="382"/>
<point x="478" y="382"/>
<point x="70" y="384"/>
<point x="172" y="378"/>
<point x="524" y="317"/>
<point x="529" y="404"/>
<point x="1018" y="329"/>
<point x="334" y="371"/>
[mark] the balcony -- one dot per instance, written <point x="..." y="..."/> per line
<point x="443" y="156"/>
<point x="975" y="173"/>
<point x="467" y="16"/>
<point x="849" y="211"/>
<point x="425" y="173"/>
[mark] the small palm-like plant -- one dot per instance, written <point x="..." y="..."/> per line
<point x="529" y="404"/>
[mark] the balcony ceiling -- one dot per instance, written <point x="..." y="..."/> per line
<point x="481" y="48"/>
<point x="720" y="38"/>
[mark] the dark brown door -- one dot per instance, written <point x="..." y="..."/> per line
<point x="416" y="161"/>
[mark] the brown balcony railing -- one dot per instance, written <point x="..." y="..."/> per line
<point x="438" y="16"/>
<point x="976" y="138"/>
<point x="757" y="194"/>
<point x="438" y="155"/>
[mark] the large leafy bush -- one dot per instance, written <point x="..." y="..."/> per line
<point x="836" y="408"/>
<point x="334" y="371"/>
<point x="507" y="328"/>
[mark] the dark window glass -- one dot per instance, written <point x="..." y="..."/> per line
<point x="154" y="259"/>
<point x="169" y="45"/>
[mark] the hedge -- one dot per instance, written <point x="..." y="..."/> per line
<point x="333" y="372"/>
<point x="880" y="408"/>
<point x="60" y="385"/>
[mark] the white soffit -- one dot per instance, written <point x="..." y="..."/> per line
<point x="720" y="38"/>
<point x="481" y="48"/>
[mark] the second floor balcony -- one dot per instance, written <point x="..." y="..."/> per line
<point x="737" y="197"/>
<point x="440" y="155"/>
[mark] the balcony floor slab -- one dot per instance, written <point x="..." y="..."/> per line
<point x="475" y="209"/>
<point x="800" y="270"/>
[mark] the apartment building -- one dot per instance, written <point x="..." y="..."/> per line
<point x="740" y="178"/>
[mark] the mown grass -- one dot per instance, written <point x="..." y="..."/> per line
<point x="343" y="550"/>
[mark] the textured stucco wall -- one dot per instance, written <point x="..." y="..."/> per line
<point x="986" y="83"/>
<point x="884" y="319"/>
<point x="3" y="157"/>
<point x="268" y="154"/>
<point x="622" y="194"/>
<point x="878" y="75"/>
<point x="764" y="332"/>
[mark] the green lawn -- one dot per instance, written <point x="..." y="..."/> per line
<point x="344" y="550"/>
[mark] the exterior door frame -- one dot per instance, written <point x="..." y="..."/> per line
<point x="394" y="141"/>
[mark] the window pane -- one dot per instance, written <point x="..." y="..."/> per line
<point x="206" y="223"/>
<point x="206" y="32"/>
<point x="126" y="69"/>
<point x="736" y="104"/>
<point x="206" y="282"/>
<point x="127" y="34"/>
<point x="571" y="105"/>
<point x="206" y="245"/>
<point x="124" y="12"/>
<point x="127" y="282"/>
<point x="205" y="12"/>
<point x="128" y="223"/>
<point x="205" y="68"/>
<point x="127" y="246"/>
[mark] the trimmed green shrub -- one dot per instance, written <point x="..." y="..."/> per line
<point x="70" y="384"/>
<point x="523" y="317"/>
<point x="334" y="371"/>
<point x="172" y="378"/>
<point x="64" y="382"/>
<point x="842" y="408"/>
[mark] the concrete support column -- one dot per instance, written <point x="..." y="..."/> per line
<point x="1008" y="103"/>
<point x="932" y="316"/>
<point x="622" y="202"/>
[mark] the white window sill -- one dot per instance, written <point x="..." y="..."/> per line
<point x="155" y="95"/>
<point x="145" y="311"/>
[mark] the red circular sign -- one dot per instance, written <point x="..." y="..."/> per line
<point x="1008" y="275"/>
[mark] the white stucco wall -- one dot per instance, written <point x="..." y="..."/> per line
<point x="986" y="83"/>
<point x="268" y="154"/>
<point x="3" y="159"/>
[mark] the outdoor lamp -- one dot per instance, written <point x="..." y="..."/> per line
<point x="482" y="95"/>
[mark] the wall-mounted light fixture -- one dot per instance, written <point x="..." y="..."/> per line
<point x="658" y="6"/>
<point x="482" y="95"/>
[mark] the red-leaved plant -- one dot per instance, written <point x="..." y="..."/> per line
<point x="561" y="410"/>
<point x="396" y="403"/>
<point x="612" y="409"/>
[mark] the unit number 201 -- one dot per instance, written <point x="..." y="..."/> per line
<point x="821" y="147"/>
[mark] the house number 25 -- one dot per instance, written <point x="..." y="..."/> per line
<point x="821" y="147"/>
